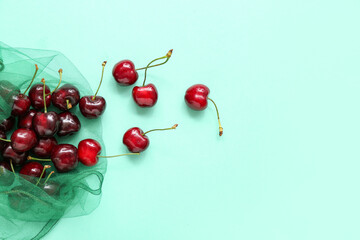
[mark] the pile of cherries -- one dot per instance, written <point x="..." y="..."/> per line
<point x="34" y="139"/>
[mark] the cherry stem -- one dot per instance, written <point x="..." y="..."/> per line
<point x="221" y="130"/>
<point x="49" y="177"/>
<point x="44" y="95"/>
<point x="12" y="167"/>
<point x="60" y="73"/>
<point x="32" y="80"/>
<point x="5" y="140"/>
<point x="39" y="159"/>
<point x="118" y="155"/>
<point x="167" y="56"/>
<point x="42" y="174"/>
<point x="102" y="75"/>
<point x="162" y="129"/>
<point x="68" y="104"/>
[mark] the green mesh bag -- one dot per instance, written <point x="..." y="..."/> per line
<point x="26" y="210"/>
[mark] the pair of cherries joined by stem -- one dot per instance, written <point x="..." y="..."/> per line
<point x="125" y="74"/>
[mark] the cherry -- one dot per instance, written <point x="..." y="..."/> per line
<point x="36" y="96"/>
<point x="89" y="152"/>
<point x="196" y="98"/>
<point x="19" y="200"/>
<point x="69" y="124"/>
<point x="7" y="124"/>
<point x="147" y="95"/>
<point x="46" y="124"/>
<point x="11" y="156"/>
<point x="137" y="141"/>
<point x="52" y="188"/>
<point x="4" y="140"/>
<point x="93" y="106"/>
<point x="66" y="97"/>
<point x="44" y="147"/>
<point x="124" y="73"/>
<point x="64" y="157"/>
<point x="26" y="121"/>
<point x="33" y="170"/>
<point x="6" y="176"/>
<point x="22" y="102"/>
<point x="23" y="140"/>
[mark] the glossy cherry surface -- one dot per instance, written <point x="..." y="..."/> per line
<point x="32" y="169"/>
<point x="36" y="96"/>
<point x="7" y="124"/>
<point x="17" y="159"/>
<point x="46" y="124"/>
<point x="26" y="121"/>
<point x="88" y="151"/>
<point x="196" y="97"/>
<point x="6" y="175"/>
<point x="145" y="96"/>
<point x="92" y="108"/>
<point x="21" y="105"/>
<point x="135" y="141"/>
<point x="44" y="147"/>
<point x="52" y="188"/>
<point x="69" y="124"/>
<point x="64" y="157"/>
<point x="66" y="92"/>
<point x="23" y="140"/>
<point x="124" y="73"/>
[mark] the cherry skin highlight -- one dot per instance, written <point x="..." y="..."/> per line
<point x="135" y="141"/>
<point x="69" y="124"/>
<point x="44" y="147"/>
<point x="145" y="96"/>
<point x="196" y="97"/>
<point x="46" y="124"/>
<point x="65" y="97"/>
<point x="21" y="105"/>
<point x="17" y="159"/>
<point x="124" y="73"/>
<point x="26" y="121"/>
<point x="23" y="140"/>
<point x="64" y="157"/>
<point x="36" y="96"/>
<point x="92" y="108"/>
<point x="32" y="169"/>
<point x="88" y="152"/>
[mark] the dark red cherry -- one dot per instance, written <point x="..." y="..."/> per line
<point x="196" y="97"/>
<point x="44" y="147"/>
<point x="145" y="96"/>
<point x="64" y="157"/>
<point x="92" y="108"/>
<point x="6" y="175"/>
<point x="36" y="96"/>
<point x="23" y="140"/>
<point x="32" y="169"/>
<point x="7" y="124"/>
<point x="21" y="105"/>
<point x="17" y="159"/>
<point x="124" y="73"/>
<point x="69" y="124"/>
<point x="2" y="143"/>
<point x="52" y="188"/>
<point x="66" y="97"/>
<point x="26" y="121"/>
<point x="135" y="141"/>
<point x="46" y="124"/>
<point x="20" y="201"/>
<point x="88" y="151"/>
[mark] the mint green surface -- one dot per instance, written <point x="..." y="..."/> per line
<point x="285" y="75"/>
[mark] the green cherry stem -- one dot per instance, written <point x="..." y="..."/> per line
<point x="32" y="80"/>
<point x="221" y="130"/>
<point x="167" y="56"/>
<point x="44" y="95"/>
<point x="60" y="73"/>
<point x="68" y="104"/>
<point x="42" y="174"/>
<point x="12" y="167"/>
<point x="118" y="155"/>
<point x="162" y="129"/>
<point x="102" y="75"/>
<point x="47" y="179"/>
<point x="5" y="140"/>
<point x="39" y="159"/>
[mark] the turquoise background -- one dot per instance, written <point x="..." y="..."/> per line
<point x="285" y="75"/>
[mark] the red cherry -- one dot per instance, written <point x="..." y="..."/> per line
<point x="88" y="151"/>
<point x="64" y="157"/>
<point x="26" y="121"/>
<point x="66" y="97"/>
<point x="69" y="124"/>
<point x="10" y="155"/>
<point x="21" y="105"/>
<point x="46" y="124"/>
<point x="124" y="73"/>
<point x="145" y="96"/>
<point x="44" y="147"/>
<point x="137" y="141"/>
<point x="36" y="96"/>
<point x="33" y="169"/>
<point x="23" y="140"/>
<point x="196" y="98"/>
<point x="7" y="124"/>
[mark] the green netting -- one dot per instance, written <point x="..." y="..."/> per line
<point x="26" y="210"/>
